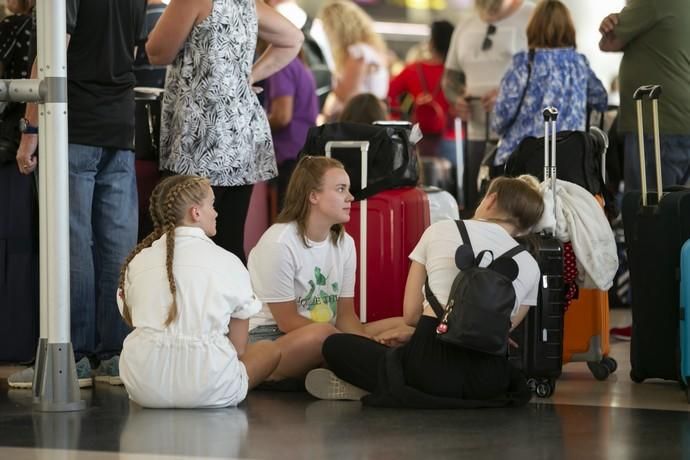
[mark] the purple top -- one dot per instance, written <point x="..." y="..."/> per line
<point x="294" y="80"/>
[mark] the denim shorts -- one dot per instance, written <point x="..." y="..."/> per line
<point x="267" y="332"/>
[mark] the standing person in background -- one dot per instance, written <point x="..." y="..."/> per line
<point x="18" y="204"/>
<point x="103" y="207"/>
<point x="149" y="75"/>
<point x="421" y="82"/>
<point x="292" y="108"/>
<point x="212" y="124"/>
<point x="360" y="54"/>
<point x="552" y="73"/>
<point x="655" y="40"/>
<point x="480" y="52"/>
<point x="654" y="37"/>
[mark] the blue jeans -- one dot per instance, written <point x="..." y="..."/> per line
<point x="675" y="161"/>
<point x="103" y="230"/>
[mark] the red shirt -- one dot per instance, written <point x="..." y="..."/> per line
<point x="407" y="86"/>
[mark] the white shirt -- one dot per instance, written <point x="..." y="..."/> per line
<point x="436" y="251"/>
<point x="376" y="79"/>
<point x="191" y="362"/>
<point x="442" y="205"/>
<point x="484" y="69"/>
<point x="282" y="269"/>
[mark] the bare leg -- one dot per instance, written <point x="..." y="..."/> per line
<point x="377" y="327"/>
<point x="301" y="350"/>
<point x="260" y="359"/>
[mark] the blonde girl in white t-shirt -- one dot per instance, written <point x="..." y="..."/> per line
<point x="303" y="269"/>
<point x="189" y="301"/>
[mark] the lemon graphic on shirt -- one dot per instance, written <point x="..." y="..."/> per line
<point x="321" y="312"/>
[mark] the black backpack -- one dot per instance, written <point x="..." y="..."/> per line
<point x="477" y="315"/>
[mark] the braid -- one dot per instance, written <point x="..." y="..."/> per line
<point x="169" y="253"/>
<point x="145" y="243"/>
<point x="167" y="205"/>
<point x="170" y="218"/>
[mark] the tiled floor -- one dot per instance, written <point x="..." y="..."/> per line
<point x="615" y="419"/>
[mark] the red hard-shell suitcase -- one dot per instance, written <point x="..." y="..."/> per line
<point x="393" y="224"/>
<point x="396" y="220"/>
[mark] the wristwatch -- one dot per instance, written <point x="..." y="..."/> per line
<point x="27" y="128"/>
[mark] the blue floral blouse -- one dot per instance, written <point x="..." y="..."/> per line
<point x="561" y="77"/>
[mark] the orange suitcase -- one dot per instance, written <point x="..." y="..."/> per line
<point x="586" y="333"/>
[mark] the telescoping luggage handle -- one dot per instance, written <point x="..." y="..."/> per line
<point x="652" y="92"/>
<point x="550" y="116"/>
<point x="363" y="147"/>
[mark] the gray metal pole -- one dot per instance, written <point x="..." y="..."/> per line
<point x="55" y="380"/>
<point x="59" y="390"/>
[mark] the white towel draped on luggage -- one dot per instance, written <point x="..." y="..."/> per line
<point x="581" y="220"/>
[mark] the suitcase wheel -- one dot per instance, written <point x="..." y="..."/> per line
<point x="601" y="370"/>
<point x="545" y="388"/>
<point x="636" y="377"/>
<point x="611" y="363"/>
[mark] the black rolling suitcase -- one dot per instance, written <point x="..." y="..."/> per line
<point x="540" y="335"/>
<point x="656" y="224"/>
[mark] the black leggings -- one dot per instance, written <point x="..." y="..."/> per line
<point x="429" y="365"/>
<point x="354" y="359"/>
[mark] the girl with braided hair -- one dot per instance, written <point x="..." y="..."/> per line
<point x="189" y="302"/>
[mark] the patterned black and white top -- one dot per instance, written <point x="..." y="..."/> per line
<point x="212" y="123"/>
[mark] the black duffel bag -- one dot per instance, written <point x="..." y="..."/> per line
<point x="578" y="158"/>
<point x="392" y="158"/>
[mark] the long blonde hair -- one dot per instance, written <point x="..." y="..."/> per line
<point x="345" y="24"/>
<point x="306" y="178"/>
<point x="168" y="205"/>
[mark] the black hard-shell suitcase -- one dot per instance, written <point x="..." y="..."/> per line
<point x="540" y="335"/>
<point x="19" y="281"/>
<point x="656" y="225"/>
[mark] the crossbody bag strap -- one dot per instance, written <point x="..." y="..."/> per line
<point x="530" y="60"/>
<point x="433" y="301"/>
<point x="425" y="85"/>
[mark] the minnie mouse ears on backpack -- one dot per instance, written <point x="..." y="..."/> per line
<point x="506" y="266"/>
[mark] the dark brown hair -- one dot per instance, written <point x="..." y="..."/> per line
<point x="364" y="108"/>
<point x="551" y="26"/>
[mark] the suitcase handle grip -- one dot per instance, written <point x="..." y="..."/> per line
<point x="550" y="114"/>
<point x="651" y="91"/>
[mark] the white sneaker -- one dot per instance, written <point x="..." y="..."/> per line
<point x="23" y="379"/>
<point x="324" y="384"/>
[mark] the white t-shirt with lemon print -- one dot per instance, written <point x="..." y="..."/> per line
<point x="282" y="269"/>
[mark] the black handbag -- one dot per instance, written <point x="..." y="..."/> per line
<point x="392" y="158"/>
